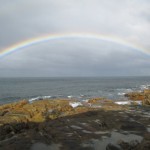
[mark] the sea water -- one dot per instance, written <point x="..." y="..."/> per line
<point x="82" y="88"/>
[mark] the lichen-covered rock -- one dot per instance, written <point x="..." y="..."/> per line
<point x="135" y="96"/>
<point x="55" y="121"/>
<point x="144" y="96"/>
<point x="147" y="91"/>
<point x="95" y="100"/>
<point x="146" y="101"/>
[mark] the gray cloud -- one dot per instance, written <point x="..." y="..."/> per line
<point x="128" y="20"/>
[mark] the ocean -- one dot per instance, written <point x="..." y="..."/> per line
<point x="81" y="88"/>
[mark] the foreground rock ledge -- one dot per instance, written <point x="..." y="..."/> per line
<point x="55" y="124"/>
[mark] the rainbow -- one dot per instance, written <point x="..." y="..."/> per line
<point x="33" y="41"/>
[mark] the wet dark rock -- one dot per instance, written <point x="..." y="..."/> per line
<point x="145" y="144"/>
<point x="133" y="126"/>
<point x="2" y="113"/>
<point x="132" y="145"/>
<point x="111" y="146"/>
<point x="91" y="113"/>
<point x="19" y="127"/>
<point x="55" y="121"/>
<point x="146" y="101"/>
<point x="103" y="125"/>
<point x="6" y="129"/>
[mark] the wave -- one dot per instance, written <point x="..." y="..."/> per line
<point x="39" y="98"/>
<point x="123" y="91"/>
<point x="121" y="94"/>
<point x="70" y="96"/>
<point x="144" y="87"/>
<point x="78" y="97"/>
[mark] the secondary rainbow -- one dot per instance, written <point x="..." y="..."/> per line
<point x="33" y="41"/>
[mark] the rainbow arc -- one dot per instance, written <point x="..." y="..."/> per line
<point x="33" y="41"/>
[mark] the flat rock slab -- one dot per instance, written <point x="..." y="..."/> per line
<point x="133" y="126"/>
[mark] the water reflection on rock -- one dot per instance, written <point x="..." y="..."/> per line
<point x="42" y="146"/>
<point x="114" y="139"/>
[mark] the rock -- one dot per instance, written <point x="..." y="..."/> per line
<point x="143" y="96"/>
<point x="132" y="126"/>
<point x="49" y="121"/>
<point x="147" y="91"/>
<point x="95" y="100"/>
<point x="13" y="128"/>
<point x="146" y="101"/>
<point x="147" y="136"/>
<point x="135" y="96"/>
<point x="132" y="145"/>
<point x="6" y="129"/>
<point x="2" y="113"/>
<point x="54" y="114"/>
<point x="19" y="127"/>
<point x="111" y="146"/>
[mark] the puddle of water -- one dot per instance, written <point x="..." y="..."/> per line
<point x="84" y="124"/>
<point x="104" y="137"/>
<point x="101" y="132"/>
<point x="69" y="134"/>
<point x="115" y="138"/>
<point x="42" y="146"/>
<point x="76" y="127"/>
<point x="85" y="131"/>
<point x="146" y="114"/>
<point x="148" y="129"/>
<point x="131" y="119"/>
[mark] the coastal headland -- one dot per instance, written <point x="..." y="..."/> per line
<point x="69" y="124"/>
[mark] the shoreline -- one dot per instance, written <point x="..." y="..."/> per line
<point x="79" y="88"/>
<point x="69" y="124"/>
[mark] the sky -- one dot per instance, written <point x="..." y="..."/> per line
<point x="128" y="20"/>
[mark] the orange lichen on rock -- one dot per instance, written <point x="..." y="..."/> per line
<point x="146" y="102"/>
<point x="95" y="100"/>
<point x="38" y="111"/>
<point x="114" y="107"/>
<point x="143" y="96"/>
<point x="135" y="96"/>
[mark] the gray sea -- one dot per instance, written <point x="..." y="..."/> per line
<point x="82" y="88"/>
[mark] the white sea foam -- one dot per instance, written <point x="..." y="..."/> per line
<point x="122" y="91"/>
<point x="39" y="98"/>
<point x="85" y="100"/>
<point x="46" y="97"/>
<point x="70" y="96"/>
<point x="121" y="94"/>
<point x="123" y="102"/>
<point x="144" y="87"/>
<point x="75" y="104"/>
<point x="34" y="99"/>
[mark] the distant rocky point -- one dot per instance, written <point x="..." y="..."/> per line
<point x="143" y="96"/>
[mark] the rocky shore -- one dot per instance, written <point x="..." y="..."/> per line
<point x="64" y="124"/>
<point x="143" y="96"/>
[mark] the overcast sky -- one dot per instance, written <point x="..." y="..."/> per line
<point x="128" y="20"/>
